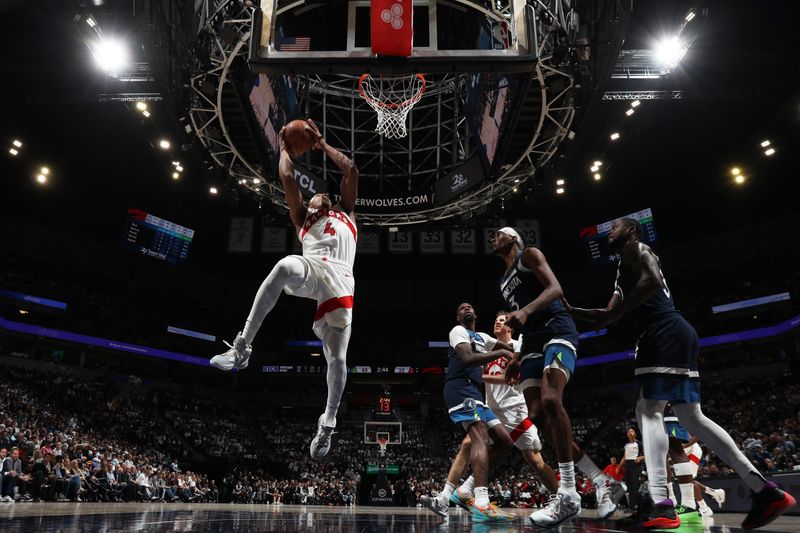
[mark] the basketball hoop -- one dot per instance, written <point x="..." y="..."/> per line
<point x="383" y="441"/>
<point x="392" y="97"/>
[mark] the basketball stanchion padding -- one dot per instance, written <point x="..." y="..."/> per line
<point x="392" y="27"/>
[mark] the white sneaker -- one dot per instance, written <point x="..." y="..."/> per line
<point x="606" y="506"/>
<point x="238" y="356"/>
<point x="434" y="504"/>
<point x="718" y="495"/>
<point x="706" y="511"/>
<point x="561" y="507"/>
<point x="322" y="440"/>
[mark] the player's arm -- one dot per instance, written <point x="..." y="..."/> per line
<point x="534" y="260"/>
<point x="294" y="199"/>
<point x="644" y="264"/>
<point x="349" y="185"/>
<point x="594" y="315"/>
<point x="470" y="358"/>
<point x="496" y="379"/>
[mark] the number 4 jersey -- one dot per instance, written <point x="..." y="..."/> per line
<point x="331" y="234"/>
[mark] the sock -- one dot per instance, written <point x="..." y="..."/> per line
<point x="567" y="472"/>
<point x="687" y="495"/>
<point x="481" y="496"/>
<point x="671" y="492"/>
<point x="468" y="486"/>
<point x="702" y="505"/>
<point x="650" y="414"/>
<point x="588" y="467"/>
<point x="708" y="431"/>
<point x="334" y="347"/>
<point x="447" y="491"/>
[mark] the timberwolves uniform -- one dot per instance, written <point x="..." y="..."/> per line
<point x="667" y="349"/>
<point x="508" y="404"/>
<point x="329" y="250"/>
<point x="676" y="431"/>
<point x="547" y="336"/>
<point x="462" y="393"/>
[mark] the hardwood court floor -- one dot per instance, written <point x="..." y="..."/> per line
<point x="113" y="517"/>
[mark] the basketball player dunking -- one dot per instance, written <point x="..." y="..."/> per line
<point x="546" y="361"/>
<point x="323" y="273"/>
<point x="667" y="371"/>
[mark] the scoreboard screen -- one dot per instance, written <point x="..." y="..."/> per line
<point x="155" y="237"/>
<point x="384" y="405"/>
<point x="596" y="237"/>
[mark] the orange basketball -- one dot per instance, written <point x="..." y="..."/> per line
<point x="298" y="140"/>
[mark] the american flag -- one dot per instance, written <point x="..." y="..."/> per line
<point x="295" y="44"/>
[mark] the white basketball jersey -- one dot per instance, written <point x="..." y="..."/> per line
<point x="502" y="397"/>
<point x="331" y="234"/>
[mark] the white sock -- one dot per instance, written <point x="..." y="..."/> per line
<point x="447" y="491"/>
<point x="708" y="431"/>
<point x="468" y="486"/>
<point x="687" y="495"/>
<point x="650" y="414"/>
<point x="334" y="346"/>
<point x="567" y="472"/>
<point x="481" y="496"/>
<point x="588" y="467"/>
<point x="671" y="492"/>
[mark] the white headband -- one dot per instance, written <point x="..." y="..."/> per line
<point x="513" y="233"/>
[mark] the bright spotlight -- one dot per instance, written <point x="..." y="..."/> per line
<point x="111" y="55"/>
<point x="668" y="52"/>
<point x="559" y="182"/>
<point x="629" y="112"/>
<point x="560" y="190"/>
<point x="690" y="16"/>
<point x="213" y="190"/>
<point x="256" y="181"/>
<point x="769" y="151"/>
<point x="45" y="171"/>
<point x="598" y="163"/>
<point x="176" y="163"/>
<point x="736" y="171"/>
<point x="635" y="103"/>
<point x="597" y="176"/>
<point x="13" y="151"/>
<point x="764" y="144"/>
<point x="164" y="144"/>
<point x="614" y="136"/>
<point x="146" y="113"/>
<point x="141" y="106"/>
<point x="175" y="175"/>
<point x="91" y="22"/>
<point x="179" y="168"/>
<point x="17" y="143"/>
<point x="739" y="179"/>
<point x="41" y="178"/>
<point x="594" y="168"/>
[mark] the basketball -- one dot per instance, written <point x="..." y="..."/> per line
<point x="298" y="139"/>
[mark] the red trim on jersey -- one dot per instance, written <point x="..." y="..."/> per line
<point x="339" y="215"/>
<point x="346" y="219"/>
<point x="345" y="302"/>
<point x="523" y="426"/>
<point x="694" y="459"/>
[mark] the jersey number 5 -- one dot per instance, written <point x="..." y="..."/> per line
<point x="329" y="230"/>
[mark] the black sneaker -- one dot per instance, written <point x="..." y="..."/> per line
<point x="768" y="505"/>
<point x="662" y="515"/>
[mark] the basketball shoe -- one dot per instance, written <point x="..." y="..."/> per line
<point x="662" y="515"/>
<point x="322" y="440"/>
<point x="434" y="505"/>
<point x="561" y="507"/>
<point x="461" y="499"/>
<point x="689" y="517"/>
<point x="768" y="505"/>
<point x="490" y="513"/>
<point x="237" y="356"/>
<point x="718" y="495"/>
<point x="606" y="501"/>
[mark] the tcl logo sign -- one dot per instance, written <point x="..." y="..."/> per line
<point x="305" y="182"/>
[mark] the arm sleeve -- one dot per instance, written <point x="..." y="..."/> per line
<point x="458" y="335"/>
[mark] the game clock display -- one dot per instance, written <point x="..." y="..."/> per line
<point x="383" y="405"/>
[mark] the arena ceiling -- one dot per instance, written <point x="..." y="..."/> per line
<point x="673" y="155"/>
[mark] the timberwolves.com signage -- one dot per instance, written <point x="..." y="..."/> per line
<point x="462" y="179"/>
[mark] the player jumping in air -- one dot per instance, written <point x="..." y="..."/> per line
<point x="667" y="371"/>
<point x="323" y="273"/>
<point x="547" y="360"/>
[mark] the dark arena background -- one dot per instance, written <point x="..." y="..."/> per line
<point x="142" y="208"/>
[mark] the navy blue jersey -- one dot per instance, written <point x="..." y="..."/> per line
<point x="656" y="308"/>
<point x="479" y="342"/>
<point x="520" y="287"/>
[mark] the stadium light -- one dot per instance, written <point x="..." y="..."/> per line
<point x="146" y="113"/>
<point x="175" y="175"/>
<point x="179" y="168"/>
<point x="213" y="190"/>
<point x="597" y="176"/>
<point x="176" y="163"/>
<point x="739" y="179"/>
<point x="141" y="106"/>
<point x="736" y="171"/>
<point x="635" y="103"/>
<point x="164" y="144"/>
<point x="111" y="55"/>
<point x="629" y="112"/>
<point x="13" y="151"/>
<point x="314" y="354"/>
<point x="560" y="190"/>
<point x="614" y="136"/>
<point x="765" y="143"/>
<point x="16" y="143"/>
<point x="598" y="163"/>
<point x="256" y="181"/>
<point x="45" y="171"/>
<point x="669" y="51"/>
<point x="560" y="182"/>
<point x="594" y="168"/>
<point x="41" y="178"/>
<point x="769" y="151"/>
<point x="91" y="22"/>
<point x="690" y="16"/>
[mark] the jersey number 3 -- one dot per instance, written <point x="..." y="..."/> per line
<point x="329" y="230"/>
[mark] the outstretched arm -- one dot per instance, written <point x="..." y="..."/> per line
<point x="349" y="185"/>
<point x="470" y="358"/>
<point x="593" y="315"/>
<point x="294" y="199"/>
<point x="534" y="260"/>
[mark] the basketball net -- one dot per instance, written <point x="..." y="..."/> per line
<point x="392" y="97"/>
<point x="383" y="442"/>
